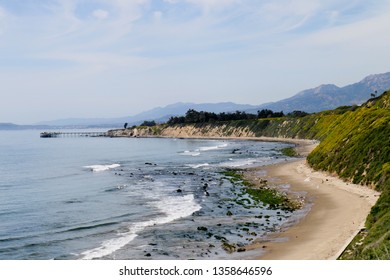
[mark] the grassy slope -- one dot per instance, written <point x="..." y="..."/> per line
<point x="355" y="144"/>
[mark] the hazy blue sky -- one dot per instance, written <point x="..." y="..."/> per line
<point x="112" y="58"/>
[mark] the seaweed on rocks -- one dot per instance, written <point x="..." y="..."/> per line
<point x="260" y="193"/>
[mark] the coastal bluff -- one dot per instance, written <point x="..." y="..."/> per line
<point x="185" y="131"/>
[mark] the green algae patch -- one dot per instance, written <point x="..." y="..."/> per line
<point x="289" y="152"/>
<point x="252" y="195"/>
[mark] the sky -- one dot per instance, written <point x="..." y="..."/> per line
<point x="115" y="58"/>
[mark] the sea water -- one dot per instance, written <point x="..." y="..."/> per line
<point x="128" y="198"/>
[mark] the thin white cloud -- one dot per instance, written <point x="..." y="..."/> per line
<point x="125" y="14"/>
<point x="285" y="16"/>
<point x="62" y="18"/>
<point x="3" y="20"/>
<point x="362" y="33"/>
<point x="101" y="62"/>
<point x="118" y="15"/>
<point x="276" y="10"/>
<point x="157" y="15"/>
<point x="333" y="16"/>
<point x="100" y="14"/>
<point x="212" y="5"/>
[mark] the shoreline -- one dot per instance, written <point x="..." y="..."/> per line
<point x="338" y="211"/>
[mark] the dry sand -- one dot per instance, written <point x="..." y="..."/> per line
<point x="338" y="211"/>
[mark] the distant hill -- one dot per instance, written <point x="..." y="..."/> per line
<point x="164" y="113"/>
<point x="328" y="97"/>
<point x="85" y="122"/>
<point x="324" y="97"/>
<point x="8" y="126"/>
<point x="159" y="114"/>
<point x="12" y="126"/>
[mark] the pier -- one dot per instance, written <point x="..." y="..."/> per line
<point x="72" y="134"/>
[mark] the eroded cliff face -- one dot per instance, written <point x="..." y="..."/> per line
<point x="187" y="131"/>
<point x="131" y="132"/>
<point x="206" y="131"/>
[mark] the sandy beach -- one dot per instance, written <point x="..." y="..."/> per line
<point x="338" y="211"/>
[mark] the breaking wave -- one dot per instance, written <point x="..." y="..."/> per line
<point x="100" y="168"/>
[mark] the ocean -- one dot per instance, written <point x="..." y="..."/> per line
<point x="129" y="198"/>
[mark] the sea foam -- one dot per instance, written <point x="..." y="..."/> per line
<point x="172" y="208"/>
<point x="100" y="168"/>
<point x="191" y="153"/>
<point x="196" y="166"/>
<point x="213" y="147"/>
<point x="239" y="163"/>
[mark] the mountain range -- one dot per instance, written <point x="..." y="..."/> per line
<point x="328" y="97"/>
<point x="323" y="97"/>
<point x="159" y="114"/>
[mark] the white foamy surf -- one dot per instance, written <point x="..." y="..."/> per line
<point x="100" y="168"/>
<point x="172" y="208"/>
<point x="239" y="163"/>
<point x="197" y="152"/>
<point x="213" y="147"/>
<point x="191" y="153"/>
<point x="196" y="166"/>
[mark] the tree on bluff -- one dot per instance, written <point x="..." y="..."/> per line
<point x="148" y="123"/>
<point x="265" y="113"/>
<point x="297" y="114"/>
<point x="193" y="116"/>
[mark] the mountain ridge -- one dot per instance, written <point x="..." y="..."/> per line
<point x="330" y="96"/>
<point x="159" y="114"/>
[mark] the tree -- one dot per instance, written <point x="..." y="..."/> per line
<point x="265" y="113"/>
<point x="297" y="114"/>
<point x="148" y="123"/>
<point x="192" y="116"/>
